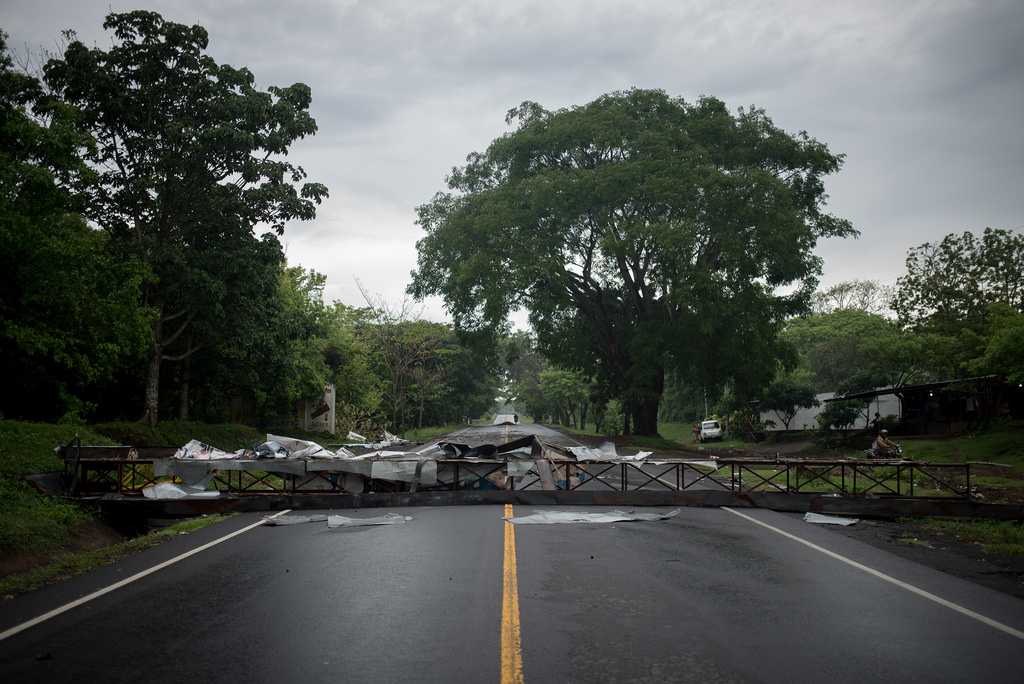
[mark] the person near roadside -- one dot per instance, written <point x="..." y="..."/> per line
<point x="883" y="446"/>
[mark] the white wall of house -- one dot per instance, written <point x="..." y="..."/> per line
<point x="807" y="419"/>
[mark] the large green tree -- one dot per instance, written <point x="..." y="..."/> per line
<point x="186" y="147"/>
<point x="68" y="317"/>
<point x="788" y="394"/>
<point x="831" y="345"/>
<point x="959" y="291"/>
<point x="951" y="283"/>
<point x="641" y="233"/>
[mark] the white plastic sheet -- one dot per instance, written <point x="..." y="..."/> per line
<point x="554" y="517"/>
<point x="338" y="520"/>
<point x="299" y="448"/>
<point x="169" y="490"/>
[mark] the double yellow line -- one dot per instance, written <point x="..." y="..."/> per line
<point x="511" y="642"/>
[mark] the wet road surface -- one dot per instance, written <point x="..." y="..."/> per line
<point x="709" y="595"/>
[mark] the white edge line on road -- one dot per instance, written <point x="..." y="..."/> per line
<point x="128" y="580"/>
<point x="909" y="587"/>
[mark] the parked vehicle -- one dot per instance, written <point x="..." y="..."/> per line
<point x="710" y="430"/>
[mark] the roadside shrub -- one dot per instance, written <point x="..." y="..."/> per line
<point x="30" y="521"/>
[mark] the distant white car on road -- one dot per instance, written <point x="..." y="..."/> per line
<point x="710" y="430"/>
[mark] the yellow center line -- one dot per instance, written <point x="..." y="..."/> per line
<point x="511" y="644"/>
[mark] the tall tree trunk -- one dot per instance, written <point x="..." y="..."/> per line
<point x="186" y="377"/>
<point x="156" y="353"/>
<point x="423" y="400"/>
<point x="645" y="418"/>
<point x="644" y="405"/>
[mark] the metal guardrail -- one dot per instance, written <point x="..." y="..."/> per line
<point x="126" y="470"/>
<point x="844" y="477"/>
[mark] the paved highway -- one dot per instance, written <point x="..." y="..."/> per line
<point x="710" y="595"/>
<point x="457" y="594"/>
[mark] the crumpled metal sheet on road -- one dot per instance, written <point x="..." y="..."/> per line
<point x="555" y="517"/>
<point x="338" y="520"/>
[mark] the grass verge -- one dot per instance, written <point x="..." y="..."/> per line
<point x="75" y="563"/>
<point x="994" y="536"/>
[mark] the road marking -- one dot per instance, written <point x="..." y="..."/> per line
<point x="909" y="587"/>
<point x="128" y="580"/>
<point x="511" y="642"/>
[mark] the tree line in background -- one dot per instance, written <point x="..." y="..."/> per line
<point x="956" y="315"/>
<point x="144" y="190"/>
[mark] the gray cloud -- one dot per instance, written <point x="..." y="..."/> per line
<point x="922" y="96"/>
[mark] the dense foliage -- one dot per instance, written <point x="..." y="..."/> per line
<point x="642" y="234"/>
<point x="190" y="160"/>
<point x="144" y="189"/>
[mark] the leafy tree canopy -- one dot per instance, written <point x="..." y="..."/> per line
<point x="640" y="232"/>
<point x="965" y="292"/>
<point x="67" y="315"/>
<point x="868" y="296"/>
<point x="831" y="344"/>
<point x="951" y="283"/>
<point x="788" y="394"/>
<point x="187" y="148"/>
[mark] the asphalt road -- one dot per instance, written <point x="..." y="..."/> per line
<point x="456" y="594"/>
<point x="499" y="434"/>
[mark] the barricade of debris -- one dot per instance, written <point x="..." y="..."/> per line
<point x="354" y="467"/>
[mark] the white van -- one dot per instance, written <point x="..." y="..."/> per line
<point x="709" y="430"/>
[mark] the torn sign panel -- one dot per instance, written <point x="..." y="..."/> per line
<point x="553" y="517"/>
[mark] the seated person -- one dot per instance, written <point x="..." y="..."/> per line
<point x="882" y="446"/>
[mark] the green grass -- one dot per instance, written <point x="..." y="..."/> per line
<point x="1000" y="442"/>
<point x="30" y="521"/>
<point x="995" y="536"/>
<point x="677" y="432"/>
<point x="429" y="433"/>
<point x="72" y="564"/>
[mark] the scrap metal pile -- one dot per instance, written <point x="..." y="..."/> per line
<point x="353" y="466"/>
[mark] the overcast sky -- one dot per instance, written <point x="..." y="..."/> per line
<point x="925" y="99"/>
